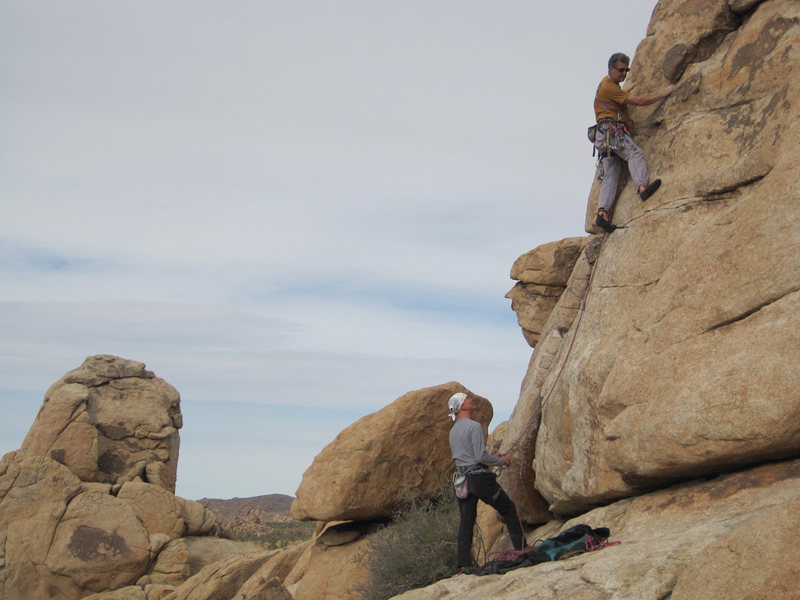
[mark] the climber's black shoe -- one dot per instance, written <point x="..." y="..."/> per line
<point x="650" y="189"/>
<point x="604" y="223"/>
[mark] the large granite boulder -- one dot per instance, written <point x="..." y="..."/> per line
<point x="332" y="572"/>
<point x="277" y="568"/>
<point x="223" y="579"/>
<point x="110" y="421"/>
<point x="682" y="362"/>
<point x="542" y="274"/>
<point x="363" y="473"/>
<point x="58" y="533"/>
<point x="183" y="558"/>
<point x="34" y="494"/>
<point x="99" y="543"/>
<point x="86" y="505"/>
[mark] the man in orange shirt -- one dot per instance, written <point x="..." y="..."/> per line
<point x="615" y="142"/>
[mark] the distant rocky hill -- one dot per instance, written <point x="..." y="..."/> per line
<point x="274" y="507"/>
<point x="264" y="519"/>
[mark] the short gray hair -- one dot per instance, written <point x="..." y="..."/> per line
<point x="618" y="57"/>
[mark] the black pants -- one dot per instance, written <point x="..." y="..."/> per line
<point x="483" y="486"/>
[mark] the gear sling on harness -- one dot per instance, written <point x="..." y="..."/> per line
<point x="460" y="484"/>
<point x="613" y="136"/>
<point x="613" y="131"/>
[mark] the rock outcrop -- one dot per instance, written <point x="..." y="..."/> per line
<point x="87" y="507"/>
<point x="678" y="366"/>
<point x="729" y="537"/>
<point x="404" y="446"/>
<point x="185" y="557"/>
<point x="110" y="421"/>
<point x="331" y="572"/>
<point x="669" y="356"/>
<point x="542" y="275"/>
<point x="87" y="503"/>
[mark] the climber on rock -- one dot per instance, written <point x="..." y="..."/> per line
<point x="613" y="139"/>
<point x="468" y="447"/>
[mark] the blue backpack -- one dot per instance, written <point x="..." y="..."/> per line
<point x="570" y="542"/>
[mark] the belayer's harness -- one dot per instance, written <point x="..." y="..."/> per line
<point x="461" y="483"/>
<point x="472" y="469"/>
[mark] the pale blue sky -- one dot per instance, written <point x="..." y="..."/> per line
<point x="293" y="212"/>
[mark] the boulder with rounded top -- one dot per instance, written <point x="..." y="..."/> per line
<point x="364" y="473"/>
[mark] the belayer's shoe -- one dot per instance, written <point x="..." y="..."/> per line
<point x="603" y="223"/>
<point x="650" y="189"/>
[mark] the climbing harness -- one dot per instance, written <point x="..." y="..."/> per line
<point x="613" y="133"/>
<point x="472" y="469"/>
<point x="460" y="478"/>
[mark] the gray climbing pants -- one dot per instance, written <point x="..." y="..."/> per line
<point x="626" y="152"/>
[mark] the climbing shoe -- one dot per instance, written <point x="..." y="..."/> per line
<point x="604" y="224"/>
<point x="650" y="189"/>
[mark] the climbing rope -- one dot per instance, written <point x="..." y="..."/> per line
<point x="592" y="544"/>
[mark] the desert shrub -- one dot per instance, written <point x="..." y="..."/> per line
<point x="270" y="534"/>
<point x="417" y="548"/>
<point x="279" y="535"/>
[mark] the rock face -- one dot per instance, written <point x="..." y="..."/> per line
<point x="185" y="557"/>
<point x="110" y="421"/>
<point x="87" y="503"/>
<point x="519" y="440"/>
<point x="680" y="363"/>
<point x="404" y="446"/>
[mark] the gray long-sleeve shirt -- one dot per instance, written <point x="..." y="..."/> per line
<point x="468" y="445"/>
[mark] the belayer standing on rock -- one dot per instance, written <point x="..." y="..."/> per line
<point x="468" y="447"/>
<point x="614" y="141"/>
